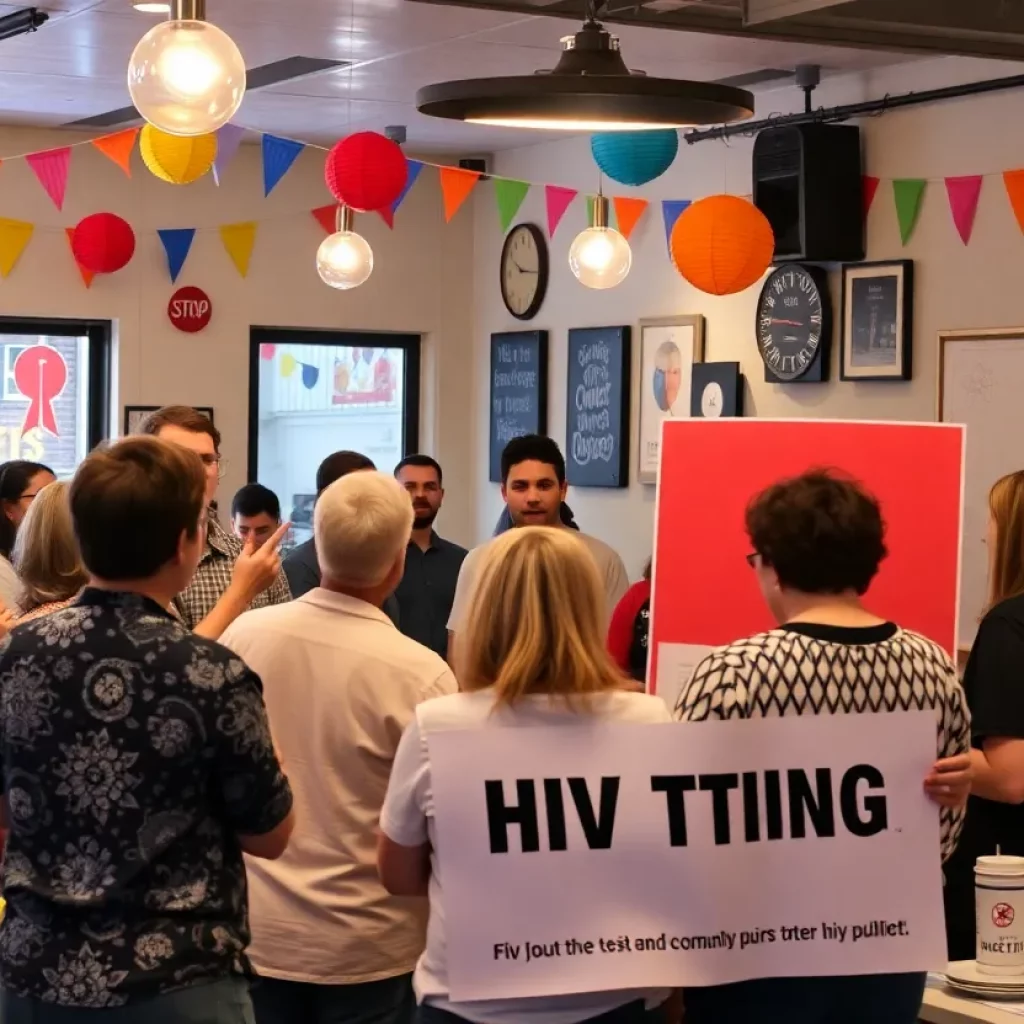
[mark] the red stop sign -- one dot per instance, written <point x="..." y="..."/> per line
<point x="190" y="309"/>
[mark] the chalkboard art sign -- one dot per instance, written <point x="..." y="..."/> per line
<point x="519" y="390"/>
<point x="597" y="407"/>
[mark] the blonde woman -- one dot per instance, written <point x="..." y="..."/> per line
<point x="995" y="695"/>
<point x="532" y="654"/>
<point x="46" y="555"/>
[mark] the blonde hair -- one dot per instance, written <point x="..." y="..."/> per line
<point x="1006" y="505"/>
<point x="538" y="622"/>
<point x="362" y="524"/>
<point x="46" y="554"/>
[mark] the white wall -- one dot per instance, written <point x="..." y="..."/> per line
<point x="421" y="283"/>
<point x="956" y="287"/>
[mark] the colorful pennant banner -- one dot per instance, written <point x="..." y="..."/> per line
<point x="278" y="156"/>
<point x="414" y="168"/>
<point x="289" y="364"/>
<point x="87" y="275"/>
<point x="509" y="195"/>
<point x="177" y="243"/>
<point x="118" y="148"/>
<point x="628" y="212"/>
<point x="456" y="184"/>
<point x="557" y="200"/>
<point x="327" y="217"/>
<point x="51" y="168"/>
<point x="239" y="240"/>
<point x="1013" y="182"/>
<point x="671" y="211"/>
<point x="907" y="194"/>
<point x="963" y="194"/>
<point x="14" y="236"/>
<point x="869" y="187"/>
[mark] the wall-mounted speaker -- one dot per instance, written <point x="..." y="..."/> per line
<point x="807" y="182"/>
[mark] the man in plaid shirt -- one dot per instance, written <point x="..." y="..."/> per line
<point x="231" y="577"/>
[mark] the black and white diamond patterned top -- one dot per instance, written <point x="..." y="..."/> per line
<point x="810" y="669"/>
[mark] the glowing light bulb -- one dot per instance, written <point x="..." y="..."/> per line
<point x="600" y="257"/>
<point x="344" y="260"/>
<point x="186" y="77"/>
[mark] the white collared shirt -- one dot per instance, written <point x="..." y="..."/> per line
<point x="340" y="684"/>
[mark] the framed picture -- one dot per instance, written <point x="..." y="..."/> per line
<point x="717" y="390"/>
<point x="669" y="348"/>
<point x="878" y="321"/>
<point x="135" y="414"/>
<point x="597" y="407"/>
<point x="519" y="390"/>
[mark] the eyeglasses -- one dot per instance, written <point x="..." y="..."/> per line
<point x="210" y="460"/>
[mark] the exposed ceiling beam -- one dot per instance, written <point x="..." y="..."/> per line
<point x="757" y="12"/>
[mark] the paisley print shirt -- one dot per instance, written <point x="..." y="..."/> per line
<point x="133" y="755"/>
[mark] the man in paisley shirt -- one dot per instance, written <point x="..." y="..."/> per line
<point x="137" y="765"/>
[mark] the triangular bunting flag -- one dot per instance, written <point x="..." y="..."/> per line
<point x="229" y="138"/>
<point x="51" y="168"/>
<point x="414" y="168"/>
<point x="628" y="212"/>
<point x="327" y="217"/>
<point x="907" y="194"/>
<point x="557" y="200"/>
<point x="1014" y="182"/>
<point x="869" y="186"/>
<point x="510" y="195"/>
<point x="963" y="193"/>
<point x="239" y="240"/>
<point x="177" y="243"/>
<point x="87" y="275"/>
<point x="14" y="236"/>
<point x="278" y="157"/>
<point x="671" y="211"/>
<point x="456" y="184"/>
<point x="118" y="148"/>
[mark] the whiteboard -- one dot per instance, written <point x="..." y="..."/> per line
<point x="981" y="384"/>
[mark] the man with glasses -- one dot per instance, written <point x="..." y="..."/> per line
<point x="231" y="577"/>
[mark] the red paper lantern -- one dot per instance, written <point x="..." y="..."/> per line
<point x="103" y="243"/>
<point x="366" y="172"/>
<point x="722" y="244"/>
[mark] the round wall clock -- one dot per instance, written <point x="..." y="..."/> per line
<point x="794" y="324"/>
<point x="524" y="271"/>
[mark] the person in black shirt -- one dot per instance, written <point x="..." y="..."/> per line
<point x="427" y="589"/>
<point x="137" y="766"/>
<point x="995" y="695"/>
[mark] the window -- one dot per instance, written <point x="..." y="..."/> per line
<point x="312" y="393"/>
<point x="55" y="403"/>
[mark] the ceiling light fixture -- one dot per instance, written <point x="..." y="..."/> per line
<point x="590" y="90"/>
<point x="26" y="20"/>
<point x="186" y="76"/>
<point x="344" y="259"/>
<point x="600" y="257"/>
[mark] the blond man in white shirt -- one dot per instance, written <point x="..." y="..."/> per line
<point x="340" y="684"/>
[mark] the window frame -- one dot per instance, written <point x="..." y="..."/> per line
<point x="99" y="398"/>
<point x="410" y="344"/>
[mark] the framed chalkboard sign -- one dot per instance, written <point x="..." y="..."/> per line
<point x="597" y="407"/>
<point x="519" y="390"/>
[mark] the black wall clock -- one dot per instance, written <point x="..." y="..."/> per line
<point x="524" y="271"/>
<point x="794" y="325"/>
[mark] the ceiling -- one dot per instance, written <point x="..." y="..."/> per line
<point x="74" y="66"/>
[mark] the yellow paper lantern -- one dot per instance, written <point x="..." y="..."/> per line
<point x="177" y="158"/>
<point x="722" y="244"/>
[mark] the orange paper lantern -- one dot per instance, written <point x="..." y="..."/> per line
<point x="722" y="244"/>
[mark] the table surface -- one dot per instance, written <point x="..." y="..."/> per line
<point x="942" y="1007"/>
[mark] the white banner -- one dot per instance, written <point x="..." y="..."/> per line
<point x="596" y="856"/>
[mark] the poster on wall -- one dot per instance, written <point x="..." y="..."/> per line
<point x="668" y="349"/>
<point x="519" y="390"/>
<point x="703" y="592"/>
<point x="878" y="312"/>
<point x="710" y="885"/>
<point x="597" y="407"/>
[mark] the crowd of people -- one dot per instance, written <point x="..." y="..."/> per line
<point x="215" y="760"/>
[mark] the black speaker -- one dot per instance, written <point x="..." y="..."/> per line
<point x="807" y="182"/>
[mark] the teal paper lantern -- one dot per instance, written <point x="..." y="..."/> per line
<point x="635" y="158"/>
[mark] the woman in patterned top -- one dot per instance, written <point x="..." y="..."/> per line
<point x="46" y="555"/>
<point x="817" y="543"/>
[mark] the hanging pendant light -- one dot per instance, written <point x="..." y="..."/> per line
<point x="600" y="257"/>
<point x="590" y="90"/>
<point x="344" y="259"/>
<point x="186" y="76"/>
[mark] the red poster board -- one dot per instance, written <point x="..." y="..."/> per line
<point x="705" y="594"/>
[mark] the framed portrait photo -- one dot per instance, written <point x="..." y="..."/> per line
<point x="877" y="319"/>
<point x="135" y="414"/>
<point x="669" y="348"/>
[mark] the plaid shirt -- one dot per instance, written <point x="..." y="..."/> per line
<point x="213" y="576"/>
